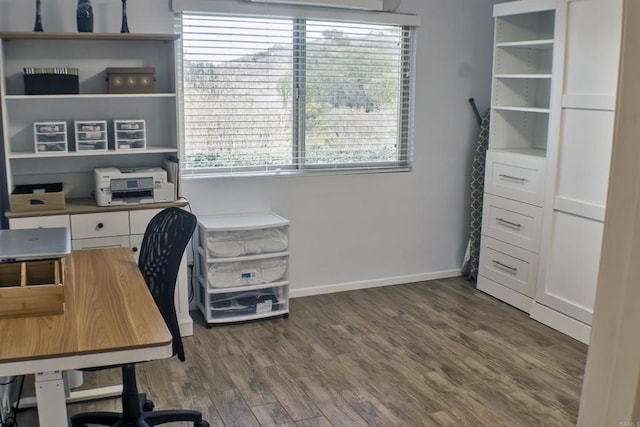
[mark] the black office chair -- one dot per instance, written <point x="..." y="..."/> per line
<point x="163" y="245"/>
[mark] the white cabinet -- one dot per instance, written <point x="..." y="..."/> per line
<point x="576" y="197"/>
<point x="553" y="111"/>
<point x="521" y="135"/>
<point x="243" y="267"/>
<point x="108" y="229"/>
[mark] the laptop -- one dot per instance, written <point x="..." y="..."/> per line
<point x="34" y="243"/>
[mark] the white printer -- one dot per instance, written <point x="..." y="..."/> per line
<point x="115" y="186"/>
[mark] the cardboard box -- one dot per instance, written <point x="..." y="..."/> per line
<point x="131" y="80"/>
<point x="37" y="197"/>
<point x="32" y="288"/>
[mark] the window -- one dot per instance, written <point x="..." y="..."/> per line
<point x="272" y="94"/>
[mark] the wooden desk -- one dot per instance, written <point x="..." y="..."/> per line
<point x="110" y="318"/>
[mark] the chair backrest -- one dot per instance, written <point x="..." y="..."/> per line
<point x="163" y="245"/>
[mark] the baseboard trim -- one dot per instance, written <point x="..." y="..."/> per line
<point x="375" y="283"/>
<point x="561" y="323"/>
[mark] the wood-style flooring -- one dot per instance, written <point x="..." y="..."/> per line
<point x="437" y="353"/>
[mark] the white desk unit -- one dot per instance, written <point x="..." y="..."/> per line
<point x="84" y="335"/>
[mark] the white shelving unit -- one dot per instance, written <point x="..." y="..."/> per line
<point x="91" y="54"/>
<point x="243" y="267"/>
<point x="523" y="113"/>
<point x="523" y="58"/>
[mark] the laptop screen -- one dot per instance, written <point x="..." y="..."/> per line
<point x="34" y="243"/>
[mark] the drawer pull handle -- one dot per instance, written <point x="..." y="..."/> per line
<point x="99" y="226"/>
<point x="505" y="266"/>
<point x="512" y="178"/>
<point x="509" y="223"/>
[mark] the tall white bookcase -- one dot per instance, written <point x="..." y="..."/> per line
<point x="555" y="76"/>
<point x="527" y="59"/>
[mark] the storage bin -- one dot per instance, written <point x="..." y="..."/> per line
<point x="50" y="136"/>
<point x="242" y="273"/>
<point x="51" y="81"/>
<point x="259" y="301"/>
<point x="37" y="197"/>
<point x="90" y="135"/>
<point x="131" y="79"/>
<point x="222" y="244"/>
<point x="129" y="134"/>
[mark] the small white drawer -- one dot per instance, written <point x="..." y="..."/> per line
<point x="515" y="176"/>
<point x="508" y="265"/>
<point x="104" y="224"/>
<point x="48" y="221"/>
<point x="138" y="219"/>
<point x="100" y="243"/>
<point x="512" y="222"/>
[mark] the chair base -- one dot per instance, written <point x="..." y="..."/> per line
<point x="137" y="411"/>
<point x="144" y="419"/>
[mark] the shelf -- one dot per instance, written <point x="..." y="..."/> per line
<point x="522" y="109"/>
<point x="532" y="152"/>
<point x="86" y="36"/>
<point x="90" y="96"/>
<point x="211" y="290"/>
<point x="529" y="44"/>
<point x="88" y="205"/>
<point x="31" y="155"/>
<point x="523" y="76"/>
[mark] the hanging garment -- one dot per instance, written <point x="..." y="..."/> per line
<point x="477" y="189"/>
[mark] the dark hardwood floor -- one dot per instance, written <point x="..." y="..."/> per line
<point x="435" y="353"/>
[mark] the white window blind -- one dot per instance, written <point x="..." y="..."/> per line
<point x="274" y="94"/>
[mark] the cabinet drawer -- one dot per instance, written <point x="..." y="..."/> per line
<point x="508" y="265"/>
<point x="138" y="220"/>
<point x="515" y="176"/>
<point x="104" y="224"/>
<point x="100" y="243"/>
<point x="512" y="222"/>
<point x="48" y="221"/>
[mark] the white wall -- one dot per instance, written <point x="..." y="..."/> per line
<point x="362" y="229"/>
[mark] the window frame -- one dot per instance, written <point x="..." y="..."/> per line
<point x="404" y="138"/>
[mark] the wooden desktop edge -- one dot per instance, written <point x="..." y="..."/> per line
<point x="88" y="205"/>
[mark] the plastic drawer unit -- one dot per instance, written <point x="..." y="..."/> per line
<point x="242" y="264"/>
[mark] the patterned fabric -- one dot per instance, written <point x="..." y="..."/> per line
<point x="477" y="189"/>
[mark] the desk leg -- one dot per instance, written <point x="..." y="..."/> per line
<point x="52" y="408"/>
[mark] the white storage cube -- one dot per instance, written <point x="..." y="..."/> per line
<point x="50" y="136"/>
<point x="90" y="135"/>
<point x="129" y="134"/>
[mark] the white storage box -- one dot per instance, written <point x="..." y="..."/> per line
<point x="129" y="134"/>
<point x="222" y="244"/>
<point x="258" y="302"/>
<point x="243" y="273"/>
<point x="50" y="136"/>
<point x="91" y="135"/>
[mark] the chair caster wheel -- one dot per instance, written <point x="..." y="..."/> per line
<point x="202" y="423"/>
<point x="148" y="405"/>
<point x="286" y="315"/>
